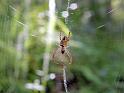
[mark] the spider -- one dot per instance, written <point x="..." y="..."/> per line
<point x="61" y="55"/>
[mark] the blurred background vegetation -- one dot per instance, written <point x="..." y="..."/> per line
<point x="97" y="46"/>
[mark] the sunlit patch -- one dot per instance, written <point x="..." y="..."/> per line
<point x="73" y="6"/>
<point x="34" y="86"/>
<point x="39" y="72"/>
<point x="42" y="14"/>
<point x="65" y="14"/>
<point x="86" y="17"/>
<point x="29" y="85"/>
<point x="52" y="76"/>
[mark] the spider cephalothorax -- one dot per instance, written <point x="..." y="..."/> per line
<point x="63" y="43"/>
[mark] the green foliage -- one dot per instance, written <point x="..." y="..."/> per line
<point x="97" y="45"/>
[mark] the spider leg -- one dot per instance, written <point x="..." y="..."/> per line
<point x="58" y="44"/>
<point x="69" y="34"/>
<point x="60" y="36"/>
<point x="69" y="56"/>
<point x="54" y="54"/>
<point x="68" y="46"/>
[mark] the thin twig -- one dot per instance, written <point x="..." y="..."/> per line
<point x="20" y="23"/>
<point x="64" y="79"/>
<point x="67" y="9"/>
<point x="100" y="26"/>
<point x="12" y="8"/>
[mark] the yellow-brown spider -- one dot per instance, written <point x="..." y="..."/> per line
<point x="61" y="55"/>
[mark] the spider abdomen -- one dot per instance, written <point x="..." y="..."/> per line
<point x="62" y="50"/>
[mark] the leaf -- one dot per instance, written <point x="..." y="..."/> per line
<point x="90" y="75"/>
<point x="63" y="27"/>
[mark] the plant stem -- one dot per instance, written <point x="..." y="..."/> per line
<point x="49" y="36"/>
<point x="64" y="79"/>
